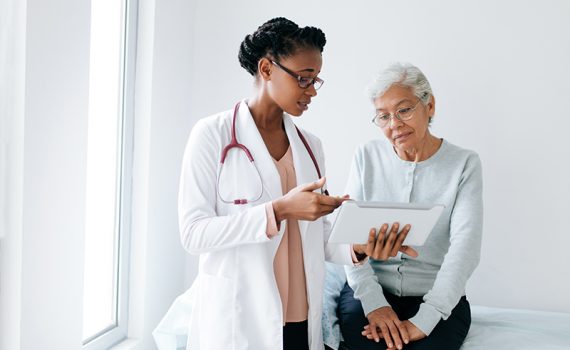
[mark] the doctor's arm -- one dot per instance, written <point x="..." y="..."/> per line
<point x="201" y="228"/>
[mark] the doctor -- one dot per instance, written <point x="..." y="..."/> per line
<point x="252" y="205"/>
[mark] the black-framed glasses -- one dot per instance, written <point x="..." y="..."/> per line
<point x="403" y="114"/>
<point x="304" y="82"/>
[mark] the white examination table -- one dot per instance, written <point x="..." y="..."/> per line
<point x="497" y="328"/>
<point x="506" y="329"/>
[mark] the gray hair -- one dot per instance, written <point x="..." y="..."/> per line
<point x="404" y="74"/>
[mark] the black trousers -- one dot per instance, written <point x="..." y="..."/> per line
<point x="296" y="336"/>
<point x="447" y="335"/>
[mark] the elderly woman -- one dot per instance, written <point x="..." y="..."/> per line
<point x="407" y="302"/>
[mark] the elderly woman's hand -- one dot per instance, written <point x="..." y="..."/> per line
<point x="408" y="331"/>
<point x="384" y="323"/>
<point x="383" y="245"/>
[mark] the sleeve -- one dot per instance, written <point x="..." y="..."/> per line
<point x="355" y="259"/>
<point x="364" y="283"/>
<point x="273" y="226"/>
<point x="463" y="256"/>
<point x="362" y="279"/>
<point x="201" y="229"/>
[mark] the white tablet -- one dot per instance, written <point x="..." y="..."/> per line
<point x="355" y="219"/>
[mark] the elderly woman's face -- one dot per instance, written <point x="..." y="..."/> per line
<point x="409" y="134"/>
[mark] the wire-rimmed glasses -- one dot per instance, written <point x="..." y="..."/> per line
<point x="403" y="114"/>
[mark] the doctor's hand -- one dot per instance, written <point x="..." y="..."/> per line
<point x="385" y="245"/>
<point x="302" y="203"/>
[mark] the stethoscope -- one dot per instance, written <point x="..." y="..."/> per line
<point x="235" y="144"/>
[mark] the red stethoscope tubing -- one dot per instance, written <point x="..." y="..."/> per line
<point x="235" y="144"/>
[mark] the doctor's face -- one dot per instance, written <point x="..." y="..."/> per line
<point x="288" y="73"/>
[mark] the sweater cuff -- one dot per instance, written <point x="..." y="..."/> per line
<point x="427" y="318"/>
<point x="372" y="302"/>
<point x="272" y="228"/>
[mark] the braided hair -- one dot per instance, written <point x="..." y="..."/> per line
<point x="278" y="37"/>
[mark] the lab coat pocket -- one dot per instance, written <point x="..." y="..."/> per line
<point x="217" y="309"/>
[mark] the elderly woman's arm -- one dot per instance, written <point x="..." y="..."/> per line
<point x="364" y="281"/>
<point x="464" y="250"/>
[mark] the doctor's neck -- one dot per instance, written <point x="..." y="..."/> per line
<point x="266" y="113"/>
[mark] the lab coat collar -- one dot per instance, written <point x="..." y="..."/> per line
<point x="247" y="134"/>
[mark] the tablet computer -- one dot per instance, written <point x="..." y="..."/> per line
<point x="355" y="219"/>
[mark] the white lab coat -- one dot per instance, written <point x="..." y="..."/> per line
<point x="234" y="302"/>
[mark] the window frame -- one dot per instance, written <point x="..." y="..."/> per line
<point x="118" y="332"/>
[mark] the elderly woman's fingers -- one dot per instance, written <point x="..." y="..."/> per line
<point x="400" y="239"/>
<point x="371" y="239"/>
<point x="367" y="332"/>
<point x="409" y="251"/>
<point x="379" y="244"/>
<point x="387" y="244"/>
<point x="403" y="331"/>
<point x="395" y="333"/>
<point x="390" y="240"/>
<point x="385" y="334"/>
<point x="374" y="332"/>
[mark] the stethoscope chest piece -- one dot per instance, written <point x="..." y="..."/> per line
<point x="239" y="181"/>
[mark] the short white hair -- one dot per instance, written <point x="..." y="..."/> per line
<point x="404" y="74"/>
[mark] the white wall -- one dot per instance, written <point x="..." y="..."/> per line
<point x="499" y="71"/>
<point x="12" y="53"/>
<point x="55" y="125"/>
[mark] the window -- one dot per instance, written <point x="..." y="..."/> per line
<point x="109" y="160"/>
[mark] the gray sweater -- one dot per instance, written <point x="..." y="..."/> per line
<point x="452" y="177"/>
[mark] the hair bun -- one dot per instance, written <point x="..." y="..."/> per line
<point x="278" y="37"/>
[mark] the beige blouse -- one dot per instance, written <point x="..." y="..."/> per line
<point x="288" y="263"/>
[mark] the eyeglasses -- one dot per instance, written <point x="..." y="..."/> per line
<point x="403" y="114"/>
<point x="303" y="82"/>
